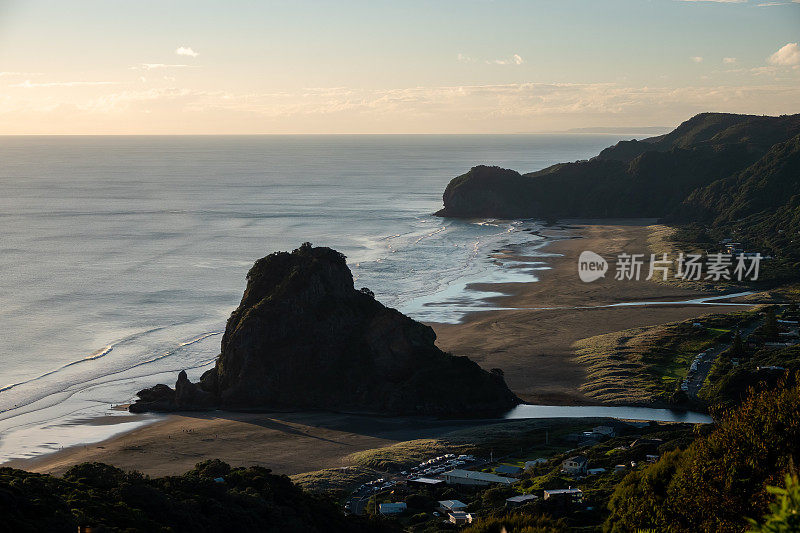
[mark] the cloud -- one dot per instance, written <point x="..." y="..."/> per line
<point x="186" y="51"/>
<point x="19" y="74"/>
<point x="697" y="59"/>
<point x="770" y="4"/>
<point x="787" y="56"/>
<point x="516" y="59"/>
<point x="462" y="58"/>
<point x="729" y="60"/>
<point x="503" y="108"/>
<point x="718" y="1"/>
<point x="27" y="84"/>
<point x="151" y="66"/>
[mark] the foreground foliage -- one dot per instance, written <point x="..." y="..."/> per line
<point x="721" y="480"/>
<point x="109" y="499"/>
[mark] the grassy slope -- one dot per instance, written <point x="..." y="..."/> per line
<point x="645" y="365"/>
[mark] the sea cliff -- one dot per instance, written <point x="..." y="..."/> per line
<point x="303" y="337"/>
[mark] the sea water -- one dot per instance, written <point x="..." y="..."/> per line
<point x="122" y="257"/>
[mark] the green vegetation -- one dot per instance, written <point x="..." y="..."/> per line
<point x="211" y="497"/>
<point x="784" y="516"/>
<point x="645" y="365"/>
<point x="720" y="480"/>
<point x="406" y="454"/>
<point x="335" y="482"/>
<point x="489" y="503"/>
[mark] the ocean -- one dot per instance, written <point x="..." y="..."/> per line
<point x="122" y="257"/>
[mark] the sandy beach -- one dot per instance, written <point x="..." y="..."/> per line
<point x="534" y="347"/>
<point x="288" y="443"/>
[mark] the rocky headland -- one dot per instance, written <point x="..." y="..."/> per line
<point x="303" y="337"/>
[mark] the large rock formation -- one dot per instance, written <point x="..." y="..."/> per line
<point x="651" y="178"/>
<point x="304" y="338"/>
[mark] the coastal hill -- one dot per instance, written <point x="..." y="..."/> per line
<point x="732" y="174"/>
<point x="650" y="178"/>
<point x="304" y="338"/>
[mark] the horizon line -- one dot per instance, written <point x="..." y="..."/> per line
<point x="546" y="132"/>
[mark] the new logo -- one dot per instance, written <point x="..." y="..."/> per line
<point x="591" y="266"/>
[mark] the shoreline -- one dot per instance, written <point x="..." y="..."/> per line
<point x="531" y="342"/>
<point x="532" y="330"/>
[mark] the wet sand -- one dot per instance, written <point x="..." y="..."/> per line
<point x="532" y="347"/>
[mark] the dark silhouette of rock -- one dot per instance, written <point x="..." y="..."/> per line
<point x="304" y="338"/>
<point x="650" y="178"/>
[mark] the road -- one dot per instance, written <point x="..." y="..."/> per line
<point x="698" y="377"/>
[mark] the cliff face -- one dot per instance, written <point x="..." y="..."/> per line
<point x="650" y="178"/>
<point x="303" y="337"/>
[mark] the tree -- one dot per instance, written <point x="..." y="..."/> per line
<point x="720" y="479"/>
<point x="784" y="516"/>
<point x="770" y="324"/>
<point x="737" y="346"/>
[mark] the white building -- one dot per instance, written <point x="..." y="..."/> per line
<point x="392" y="508"/>
<point x="470" y="477"/>
<point x="460" y="518"/>
<point x="535" y="462"/>
<point x="575" y="495"/>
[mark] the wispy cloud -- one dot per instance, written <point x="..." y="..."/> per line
<point x="457" y="108"/>
<point x="516" y="59"/>
<point x="729" y="60"/>
<point x="186" y="51"/>
<point x="28" y="84"/>
<point x="718" y="1"/>
<point x="151" y="66"/>
<point x="463" y="58"/>
<point x="787" y="56"/>
<point x="19" y="74"/>
<point x="696" y="59"/>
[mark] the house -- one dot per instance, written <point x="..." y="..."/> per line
<point x="575" y="465"/>
<point x="620" y="468"/>
<point x="595" y="471"/>
<point x="392" y="508"/>
<point x="569" y="494"/>
<point x="452" y="505"/>
<point x="605" y="431"/>
<point x="508" y="469"/>
<point x="530" y="464"/>
<point x="516" y="501"/>
<point x="460" y="518"/>
<point x="471" y="477"/>
<point x="651" y="458"/>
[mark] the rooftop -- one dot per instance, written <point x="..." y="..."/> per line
<point x="426" y="480"/>
<point x="553" y="492"/>
<point x="478" y="476"/>
<point x="452" y="504"/>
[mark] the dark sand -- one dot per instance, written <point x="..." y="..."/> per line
<point x="533" y="347"/>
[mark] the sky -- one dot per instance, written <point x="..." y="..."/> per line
<point x="378" y="66"/>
